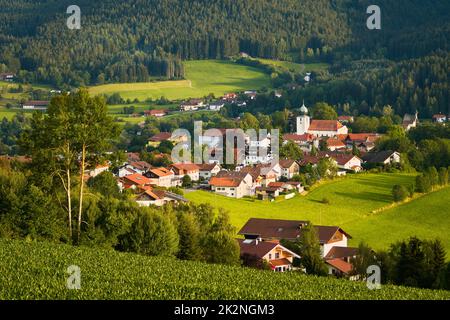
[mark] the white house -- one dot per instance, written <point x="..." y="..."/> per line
<point x="233" y="185"/>
<point x="208" y="170"/>
<point x="161" y="177"/>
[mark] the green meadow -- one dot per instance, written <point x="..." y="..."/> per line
<point x="202" y="78"/>
<point x="295" y="67"/>
<point x="352" y="202"/>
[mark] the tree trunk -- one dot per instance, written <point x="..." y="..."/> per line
<point x="80" y="209"/>
<point x="69" y="204"/>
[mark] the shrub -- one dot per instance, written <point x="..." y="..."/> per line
<point x="399" y="193"/>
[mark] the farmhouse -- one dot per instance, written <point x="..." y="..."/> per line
<point x="8" y="76"/>
<point x="289" y="168"/>
<point x="216" y="106"/>
<point x="157" y="198"/>
<point x="318" y="128"/>
<point x="35" y="105"/>
<point x="186" y="169"/>
<point x="232" y="184"/>
<point x="410" y="121"/>
<point x="383" y="157"/>
<point x="192" y="105"/>
<point x="279" y="258"/>
<point x="439" y="118"/>
<point x="135" y="180"/>
<point x="208" y="170"/>
<point x="161" y="177"/>
<point x="155" y="113"/>
<point x="271" y="229"/>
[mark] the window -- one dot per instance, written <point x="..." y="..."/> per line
<point x="270" y="256"/>
<point x="277" y="255"/>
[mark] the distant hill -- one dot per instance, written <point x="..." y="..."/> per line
<point x="39" y="271"/>
<point x="131" y="41"/>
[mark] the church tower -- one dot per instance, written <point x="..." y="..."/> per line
<point x="303" y="121"/>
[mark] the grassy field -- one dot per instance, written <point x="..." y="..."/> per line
<point x="202" y="78"/>
<point x="352" y="201"/>
<point x="39" y="271"/>
<point x="296" y="67"/>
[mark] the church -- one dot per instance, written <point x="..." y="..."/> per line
<point x="318" y="128"/>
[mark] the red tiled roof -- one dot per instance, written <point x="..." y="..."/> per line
<point x="280" y="262"/>
<point x="341" y="252"/>
<point x="161" y="172"/>
<point x="225" y="181"/>
<point x="298" y="137"/>
<point x="340" y="264"/>
<point x="335" y="143"/>
<point x="206" y="166"/>
<point x="325" y="125"/>
<point x="137" y="179"/>
<point x="155" y="112"/>
<point x="185" y="166"/>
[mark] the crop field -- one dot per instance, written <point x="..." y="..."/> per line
<point x="352" y="201"/>
<point x="202" y="78"/>
<point x="39" y="271"/>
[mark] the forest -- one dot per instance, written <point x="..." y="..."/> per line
<point x="140" y="40"/>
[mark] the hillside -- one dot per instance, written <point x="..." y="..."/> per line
<point x="351" y="202"/>
<point x="131" y="41"/>
<point x="38" y="271"/>
<point x="200" y="81"/>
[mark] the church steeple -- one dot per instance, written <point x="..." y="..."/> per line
<point x="304" y="109"/>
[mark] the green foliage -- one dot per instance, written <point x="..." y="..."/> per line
<point x="310" y="251"/>
<point x="39" y="271"/>
<point x="186" y="181"/>
<point x="152" y="234"/>
<point x="399" y="193"/>
<point x="323" y="111"/>
<point x="291" y="150"/>
<point x="105" y="184"/>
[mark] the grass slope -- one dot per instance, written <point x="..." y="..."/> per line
<point x="203" y="77"/>
<point x="352" y="200"/>
<point x="38" y="271"/>
<point x="295" y="67"/>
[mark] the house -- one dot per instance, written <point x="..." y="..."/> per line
<point x="318" y="128"/>
<point x="279" y="258"/>
<point x="410" y="121"/>
<point x="251" y="94"/>
<point x="383" y="157"/>
<point x="230" y="97"/>
<point x="208" y="170"/>
<point x="439" y="118"/>
<point x="216" y="106"/>
<point x="186" y="169"/>
<point x="304" y="141"/>
<point x="134" y="181"/>
<point x="274" y="229"/>
<point x="155" y="113"/>
<point x="267" y="192"/>
<point x="140" y="167"/>
<point x="254" y="150"/>
<point x="8" y="76"/>
<point x="347" y="162"/>
<point x="192" y="105"/>
<point x="283" y="186"/>
<point x="289" y="168"/>
<point x="345" y="119"/>
<point x="360" y="139"/>
<point x="232" y="184"/>
<point x="158" y="198"/>
<point x="338" y="261"/>
<point x="35" y="105"/>
<point x="133" y="157"/>
<point x="98" y="169"/>
<point x="156" y="140"/>
<point x="334" y="144"/>
<point x="161" y="177"/>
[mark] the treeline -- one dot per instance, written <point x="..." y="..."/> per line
<point x="112" y="220"/>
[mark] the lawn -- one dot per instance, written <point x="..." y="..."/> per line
<point x="202" y="78"/>
<point x="352" y="200"/>
<point x="296" y="67"/>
